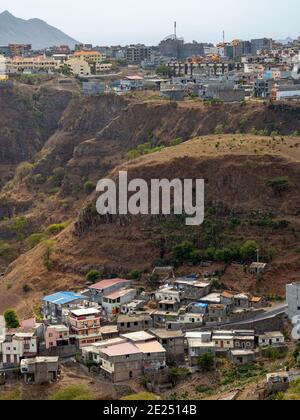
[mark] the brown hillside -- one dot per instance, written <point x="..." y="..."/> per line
<point x="236" y="168"/>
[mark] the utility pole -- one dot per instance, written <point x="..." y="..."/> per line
<point x="257" y="251"/>
<point x="223" y="37"/>
<point x="175" y="30"/>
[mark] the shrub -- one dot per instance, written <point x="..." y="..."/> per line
<point x="57" y="177"/>
<point x="249" y="250"/>
<point x="178" y="374"/>
<point x="273" y="353"/>
<point x="49" y="249"/>
<point x="92" y="276"/>
<point x="38" y="179"/>
<point x="35" y="239"/>
<point x="17" y="226"/>
<point x="23" y="171"/>
<point x="73" y="393"/>
<point x="26" y="288"/>
<point x="219" y="129"/>
<point x="154" y="280"/>
<point x="183" y="251"/>
<point x="141" y="396"/>
<point x="279" y="184"/>
<point x="5" y="248"/>
<point x="176" y="142"/>
<point x="89" y="187"/>
<point x="11" y="318"/>
<point x="135" y="274"/>
<point x="56" y="228"/>
<point x="207" y="361"/>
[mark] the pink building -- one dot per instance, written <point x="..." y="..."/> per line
<point x="57" y="336"/>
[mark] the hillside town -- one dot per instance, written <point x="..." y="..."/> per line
<point x="120" y="332"/>
<point x="228" y="72"/>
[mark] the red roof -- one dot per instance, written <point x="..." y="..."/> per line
<point x="104" y="284"/>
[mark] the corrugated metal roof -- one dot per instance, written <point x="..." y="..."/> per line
<point x="103" y="284"/>
<point x="62" y="298"/>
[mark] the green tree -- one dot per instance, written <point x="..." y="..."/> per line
<point x="183" y="251"/>
<point x="207" y="361"/>
<point x="11" y="318"/>
<point x="249" y="250"/>
<point x="92" y="276"/>
<point x="164" y="71"/>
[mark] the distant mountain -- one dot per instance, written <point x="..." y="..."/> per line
<point x="32" y="31"/>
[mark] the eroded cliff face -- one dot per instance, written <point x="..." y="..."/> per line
<point x="27" y="120"/>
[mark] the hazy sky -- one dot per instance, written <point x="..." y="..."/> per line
<point x="149" y="21"/>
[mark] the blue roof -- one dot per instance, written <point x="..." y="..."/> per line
<point x="62" y="298"/>
<point x="201" y="305"/>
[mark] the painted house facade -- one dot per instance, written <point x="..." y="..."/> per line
<point x="85" y="326"/>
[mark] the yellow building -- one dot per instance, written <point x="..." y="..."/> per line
<point x="78" y="66"/>
<point x="90" y="56"/>
<point x="19" y="64"/>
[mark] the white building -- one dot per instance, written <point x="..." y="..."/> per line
<point x="274" y="338"/>
<point x="293" y="299"/>
<point x="3" y="68"/>
<point x="288" y="92"/>
<point x="17" y="346"/>
<point x="170" y="294"/>
<point x="113" y="302"/>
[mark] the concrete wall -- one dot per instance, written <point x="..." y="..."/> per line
<point x="293" y="299"/>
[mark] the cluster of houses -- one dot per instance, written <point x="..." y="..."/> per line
<point x="124" y="334"/>
<point x="229" y="73"/>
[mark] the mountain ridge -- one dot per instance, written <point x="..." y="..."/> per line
<point x="33" y="31"/>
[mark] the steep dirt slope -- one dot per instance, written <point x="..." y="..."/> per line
<point x="236" y="169"/>
<point x="28" y="118"/>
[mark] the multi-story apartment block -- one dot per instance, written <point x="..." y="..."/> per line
<point x="85" y="326"/>
<point x="18" y="345"/>
<point x="135" y="54"/>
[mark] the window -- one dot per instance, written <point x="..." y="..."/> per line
<point x="127" y="356"/>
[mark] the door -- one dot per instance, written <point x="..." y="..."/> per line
<point x="222" y="344"/>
